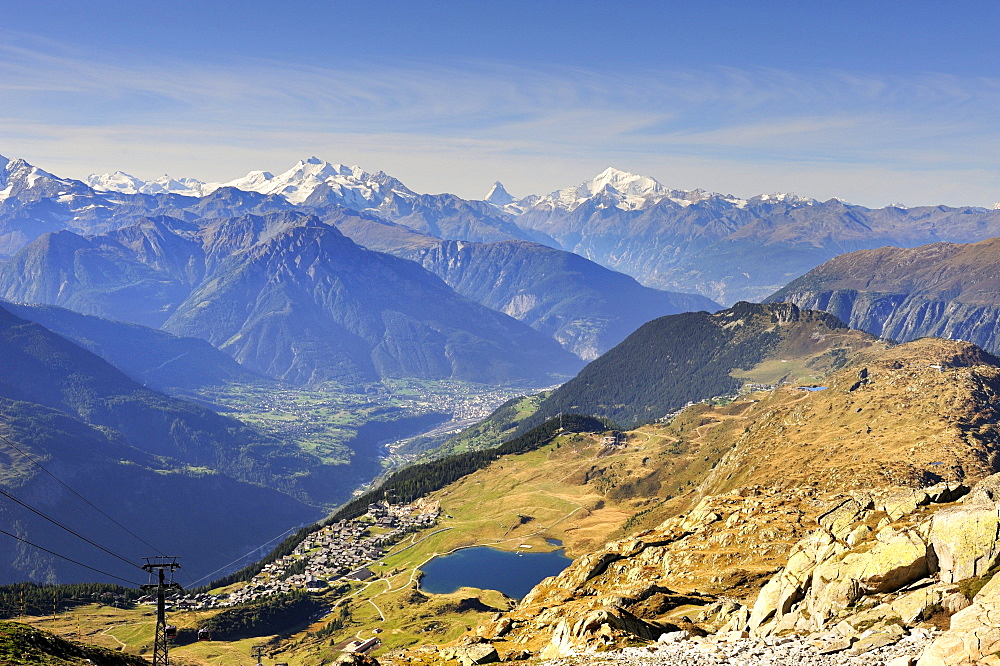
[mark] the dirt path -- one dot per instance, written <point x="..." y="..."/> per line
<point x="109" y="635"/>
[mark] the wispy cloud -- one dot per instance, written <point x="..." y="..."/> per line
<point x="531" y="125"/>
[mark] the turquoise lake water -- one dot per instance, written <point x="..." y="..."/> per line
<point x="485" y="568"/>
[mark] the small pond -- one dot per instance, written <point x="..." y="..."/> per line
<point x="485" y="568"/>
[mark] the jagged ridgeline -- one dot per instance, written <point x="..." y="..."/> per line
<point x="694" y="356"/>
<point x="419" y="480"/>
<point x="938" y="290"/>
<point x="285" y="295"/>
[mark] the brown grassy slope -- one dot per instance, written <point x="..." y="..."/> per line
<point x="910" y="415"/>
<point x="765" y="467"/>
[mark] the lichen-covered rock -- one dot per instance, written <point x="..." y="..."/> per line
<point x="964" y="539"/>
<point x="593" y="630"/>
<point x="473" y="655"/>
<point x="885" y="635"/>
<point x="916" y="605"/>
<point x="986" y="491"/>
<point x="974" y="634"/>
<point x="790" y="585"/>
<point x="899" y="559"/>
<point x="840" y="519"/>
<point x="860" y="559"/>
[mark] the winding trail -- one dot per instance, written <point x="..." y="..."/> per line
<point x="117" y="640"/>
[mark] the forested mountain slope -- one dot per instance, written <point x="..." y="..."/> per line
<point x="133" y="452"/>
<point x="688" y="357"/>
<point x="152" y="357"/>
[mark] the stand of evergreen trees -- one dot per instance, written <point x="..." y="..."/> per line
<point x="274" y="615"/>
<point x="34" y="599"/>
<point x="419" y="480"/>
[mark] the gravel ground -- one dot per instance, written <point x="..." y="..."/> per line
<point x="732" y="651"/>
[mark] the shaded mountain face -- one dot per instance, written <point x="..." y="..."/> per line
<point x="154" y="358"/>
<point x="140" y="274"/>
<point x="587" y="308"/>
<point x="43" y="368"/>
<point x="133" y="452"/>
<point x="940" y="290"/>
<point x="730" y="250"/>
<point x="285" y="295"/>
<point x="688" y="357"/>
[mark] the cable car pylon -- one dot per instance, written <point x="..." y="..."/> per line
<point x="161" y="565"/>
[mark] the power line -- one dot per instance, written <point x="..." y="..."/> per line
<point x="240" y="559"/>
<point x="68" y="529"/>
<point x="91" y="504"/>
<point x="69" y="559"/>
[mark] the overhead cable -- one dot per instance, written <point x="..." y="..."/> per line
<point x="239" y="559"/>
<point x="91" y="504"/>
<point x="68" y="529"/>
<point x="69" y="559"/>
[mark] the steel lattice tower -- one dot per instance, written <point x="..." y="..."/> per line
<point x="161" y="565"/>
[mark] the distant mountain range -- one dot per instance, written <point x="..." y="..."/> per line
<point x="587" y="308"/>
<point x="937" y="290"/>
<point x="286" y="295"/>
<point x="724" y="247"/>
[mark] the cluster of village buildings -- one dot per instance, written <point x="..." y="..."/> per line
<point x="342" y="551"/>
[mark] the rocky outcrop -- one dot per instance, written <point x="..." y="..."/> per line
<point x="965" y="541"/>
<point x="974" y="636"/>
<point x="907" y="316"/>
<point x="600" y="627"/>
<point x="867" y="552"/>
<point x="877" y="568"/>
<point x="925" y="561"/>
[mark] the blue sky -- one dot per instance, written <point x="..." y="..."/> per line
<point x="874" y="102"/>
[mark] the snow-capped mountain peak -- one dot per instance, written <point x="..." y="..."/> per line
<point x="615" y="187"/>
<point x="124" y="183"/>
<point x="629" y="184"/>
<point x="119" y="181"/>
<point x="16" y="175"/>
<point x="498" y="195"/>
<point x="352" y="185"/>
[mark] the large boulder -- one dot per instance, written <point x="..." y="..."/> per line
<point x="789" y="586"/>
<point x="964" y="539"/>
<point x="974" y="634"/>
<point x="594" y="630"/>
<point x="896" y="559"/>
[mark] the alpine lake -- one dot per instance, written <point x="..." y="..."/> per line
<point x="485" y="568"/>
